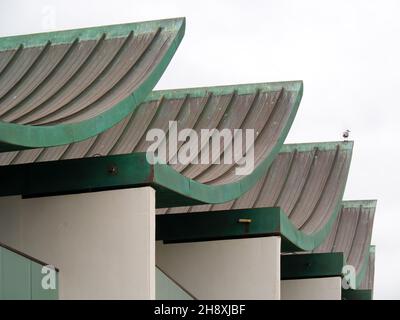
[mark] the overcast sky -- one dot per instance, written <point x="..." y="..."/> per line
<point x="346" y="52"/>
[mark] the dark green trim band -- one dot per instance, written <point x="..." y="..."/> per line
<point x="313" y="265"/>
<point x="234" y="224"/>
<point x="357" y="294"/>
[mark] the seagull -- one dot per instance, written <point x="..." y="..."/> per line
<point x="346" y="134"/>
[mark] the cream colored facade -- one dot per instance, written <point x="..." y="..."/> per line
<point x="103" y="243"/>
<point x="329" y="288"/>
<point x="224" y="269"/>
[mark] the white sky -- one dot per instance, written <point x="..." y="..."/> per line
<point x="347" y="52"/>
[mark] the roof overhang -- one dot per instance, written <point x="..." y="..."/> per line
<point x="234" y="224"/>
<point x="66" y="86"/>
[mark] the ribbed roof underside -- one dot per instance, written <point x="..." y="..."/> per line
<point x="306" y="180"/>
<point x="269" y="109"/>
<point x="351" y="233"/>
<point x="71" y="76"/>
<point x="368" y="281"/>
<point x="72" y="82"/>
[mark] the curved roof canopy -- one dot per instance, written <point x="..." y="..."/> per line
<point x="306" y="181"/>
<point x="268" y="108"/>
<point x="347" y="244"/>
<point x="351" y="234"/>
<point x="66" y="86"/>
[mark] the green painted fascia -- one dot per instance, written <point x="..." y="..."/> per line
<point x="217" y="225"/>
<point x="295" y="240"/>
<point x="76" y="175"/>
<point x="367" y="251"/>
<point x="313" y="265"/>
<point x="322" y="146"/>
<point x="133" y="170"/>
<point x="18" y="137"/>
<point x="239" y="89"/>
<point x="164" y="179"/>
<point x="356" y="294"/>
<point x="311" y="242"/>
<point x="204" y="193"/>
<point x="86" y="34"/>
<point x="359" y="203"/>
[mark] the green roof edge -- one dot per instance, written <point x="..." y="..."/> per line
<point x="240" y="89"/>
<point x="88" y="33"/>
<point x="269" y="221"/>
<point x="358" y="294"/>
<point x="312" y="265"/>
<point x="372" y="249"/>
<point x="164" y="174"/>
<point x="323" y="146"/>
<point x="320" y="235"/>
<point x="18" y="137"/>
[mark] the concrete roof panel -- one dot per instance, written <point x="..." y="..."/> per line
<point x="66" y="86"/>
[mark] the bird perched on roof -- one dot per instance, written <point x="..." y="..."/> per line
<point x="346" y="134"/>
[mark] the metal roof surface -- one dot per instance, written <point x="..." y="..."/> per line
<point x="351" y="234"/>
<point x="306" y="181"/>
<point x="66" y="86"/>
<point x="268" y="108"/>
<point x="368" y="281"/>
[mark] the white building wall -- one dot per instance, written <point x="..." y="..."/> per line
<point x="103" y="242"/>
<point x="224" y="269"/>
<point x="312" y="289"/>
